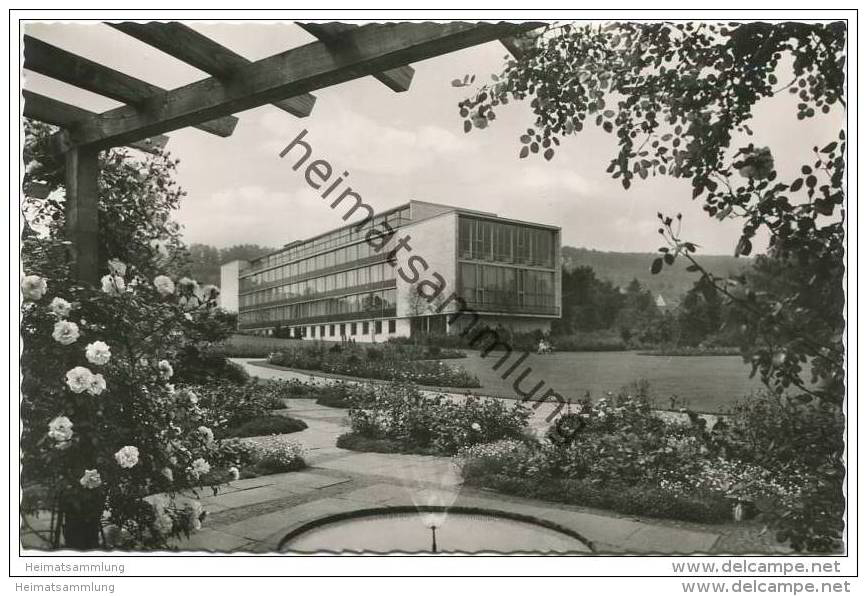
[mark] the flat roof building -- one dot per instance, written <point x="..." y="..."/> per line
<point x="418" y="268"/>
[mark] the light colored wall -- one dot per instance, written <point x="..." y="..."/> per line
<point x="435" y="240"/>
<point x="229" y="285"/>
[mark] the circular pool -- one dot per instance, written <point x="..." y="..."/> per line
<point x="433" y="529"/>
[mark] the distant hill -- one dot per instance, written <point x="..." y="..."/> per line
<point x="672" y="283"/>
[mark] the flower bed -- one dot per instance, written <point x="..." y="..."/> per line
<point x="395" y="363"/>
<point x="400" y="418"/>
<point x="618" y="454"/>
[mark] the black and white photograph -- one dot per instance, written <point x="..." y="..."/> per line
<point x="449" y="288"/>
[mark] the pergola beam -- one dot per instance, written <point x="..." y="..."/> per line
<point x="64" y="115"/>
<point x="518" y="45"/>
<point x="370" y="49"/>
<point x="396" y="79"/>
<point x="43" y="58"/>
<point x="202" y="52"/>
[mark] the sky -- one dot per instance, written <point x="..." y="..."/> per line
<point x="402" y="146"/>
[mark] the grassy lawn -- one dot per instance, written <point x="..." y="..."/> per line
<point x="704" y="383"/>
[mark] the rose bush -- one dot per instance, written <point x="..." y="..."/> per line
<point x="106" y="440"/>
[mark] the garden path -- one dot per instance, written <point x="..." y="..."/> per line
<point x="254" y="514"/>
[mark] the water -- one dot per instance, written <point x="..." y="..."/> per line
<point x="459" y="532"/>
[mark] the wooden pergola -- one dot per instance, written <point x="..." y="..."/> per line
<point x="287" y="80"/>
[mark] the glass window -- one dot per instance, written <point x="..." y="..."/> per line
<point x="377" y="327"/>
<point x="365" y="328"/>
<point x="363" y="276"/>
<point x="331" y="331"/>
<point x="353" y="328"/>
<point x="392" y="326"/>
<point x="342" y="329"/>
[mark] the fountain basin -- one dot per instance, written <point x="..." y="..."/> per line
<point x="403" y="529"/>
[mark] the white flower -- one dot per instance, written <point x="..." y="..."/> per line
<point x="210" y="292"/>
<point x="475" y="426"/>
<point x="90" y="479"/>
<point x="33" y="287"/>
<point x="79" y="379"/>
<point x="98" y="353"/>
<point x="127" y="457"/>
<point x="199" y="467"/>
<point x="60" y="307"/>
<point x="60" y="429"/>
<point x="164" y="285"/>
<point x="168" y="474"/>
<point x="65" y="332"/>
<point x="195" y="514"/>
<point x="97" y="384"/>
<point x="163" y="522"/>
<point x="117" y="267"/>
<point x="160" y="247"/>
<point x="166" y="370"/>
<point x="235" y="472"/>
<point x="113" y="285"/>
<point x="207" y="433"/>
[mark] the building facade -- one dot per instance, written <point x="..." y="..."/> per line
<point x="418" y="268"/>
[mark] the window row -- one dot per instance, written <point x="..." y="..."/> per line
<point x="484" y="240"/>
<point x="331" y="240"/>
<point x="341" y="256"/>
<point x="505" y="286"/>
<point x="342" y="330"/>
<point x="318" y="285"/>
<point x="372" y="303"/>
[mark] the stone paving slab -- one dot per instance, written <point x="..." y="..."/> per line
<point x="663" y="540"/>
<point x="212" y="540"/>
<point x="271" y="527"/>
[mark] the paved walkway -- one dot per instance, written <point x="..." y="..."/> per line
<point x="254" y="514"/>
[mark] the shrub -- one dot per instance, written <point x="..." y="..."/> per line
<point x="267" y="425"/>
<point x="401" y="413"/>
<point x="628" y="499"/>
<point x="395" y="362"/>
<point x="238" y="453"/>
<point x="280" y="457"/>
<point x="229" y="406"/>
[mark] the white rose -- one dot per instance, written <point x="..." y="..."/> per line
<point x="79" y="379"/>
<point x="113" y="285"/>
<point x="65" y="332"/>
<point x="195" y="513"/>
<point x="199" y="467"/>
<point x="127" y="456"/>
<point x="117" y="267"/>
<point x="60" y="429"/>
<point x="166" y="370"/>
<point x="97" y="384"/>
<point x="164" y="285"/>
<point x="98" y="353"/>
<point x="33" y="287"/>
<point x="60" y="307"/>
<point x="475" y="426"/>
<point x="168" y="474"/>
<point x="207" y="433"/>
<point x="91" y="479"/>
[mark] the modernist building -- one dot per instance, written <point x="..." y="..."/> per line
<point x="450" y="269"/>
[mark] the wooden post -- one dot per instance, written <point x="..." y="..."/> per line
<point x="82" y="212"/>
